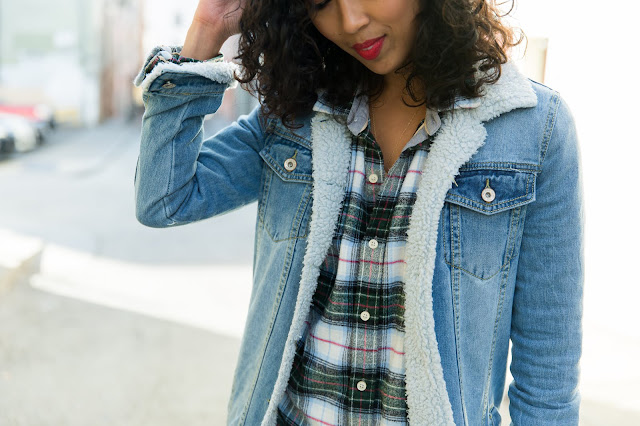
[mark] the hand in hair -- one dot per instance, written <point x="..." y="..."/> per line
<point x="213" y="23"/>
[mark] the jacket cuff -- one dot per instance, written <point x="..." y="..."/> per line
<point x="164" y="59"/>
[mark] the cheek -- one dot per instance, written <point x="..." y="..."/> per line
<point x="397" y="12"/>
<point x="326" y="27"/>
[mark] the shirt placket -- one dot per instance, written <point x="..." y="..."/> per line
<point x="370" y="278"/>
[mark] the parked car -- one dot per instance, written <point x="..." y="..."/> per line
<point x="41" y="116"/>
<point x="37" y="113"/>
<point x="25" y="135"/>
<point x="7" y="141"/>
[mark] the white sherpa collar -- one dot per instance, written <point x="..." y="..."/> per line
<point x="460" y="136"/>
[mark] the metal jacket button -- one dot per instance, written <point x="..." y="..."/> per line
<point x="290" y="164"/>
<point x="488" y="194"/>
<point x="168" y="85"/>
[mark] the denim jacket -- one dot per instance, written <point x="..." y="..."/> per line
<point x="494" y="246"/>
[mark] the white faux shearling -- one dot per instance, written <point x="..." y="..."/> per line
<point x="513" y="90"/>
<point x="427" y="398"/>
<point x="218" y="71"/>
<point x="331" y="153"/>
<point x="460" y="136"/>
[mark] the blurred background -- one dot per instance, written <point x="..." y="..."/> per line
<point x="106" y="322"/>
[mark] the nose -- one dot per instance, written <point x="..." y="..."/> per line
<point x="353" y="15"/>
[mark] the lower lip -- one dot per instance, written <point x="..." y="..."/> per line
<point x="373" y="51"/>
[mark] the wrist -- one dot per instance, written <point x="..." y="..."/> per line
<point x="203" y="41"/>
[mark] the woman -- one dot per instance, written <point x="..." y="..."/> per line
<point x="419" y="206"/>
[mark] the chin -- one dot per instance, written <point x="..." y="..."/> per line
<point x="380" y="69"/>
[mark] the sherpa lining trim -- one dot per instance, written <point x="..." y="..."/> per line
<point x="215" y="70"/>
<point x="331" y="156"/>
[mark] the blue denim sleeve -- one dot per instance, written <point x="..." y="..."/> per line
<point x="180" y="177"/>
<point x="546" y="328"/>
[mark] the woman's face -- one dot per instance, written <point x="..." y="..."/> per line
<point x="378" y="33"/>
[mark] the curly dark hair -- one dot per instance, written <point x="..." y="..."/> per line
<point x="460" y="46"/>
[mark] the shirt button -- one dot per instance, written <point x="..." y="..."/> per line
<point x="290" y="164"/>
<point x="364" y="316"/>
<point x="373" y="243"/>
<point x="373" y="178"/>
<point x="362" y="386"/>
<point x="488" y="195"/>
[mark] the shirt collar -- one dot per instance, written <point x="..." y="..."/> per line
<point x="358" y="114"/>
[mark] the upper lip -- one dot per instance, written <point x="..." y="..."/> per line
<point x="365" y="44"/>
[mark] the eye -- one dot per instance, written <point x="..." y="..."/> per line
<point x="317" y="5"/>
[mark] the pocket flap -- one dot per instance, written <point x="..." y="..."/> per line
<point x="289" y="160"/>
<point x="492" y="191"/>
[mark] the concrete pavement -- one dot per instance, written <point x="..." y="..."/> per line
<point x="68" y="362"/>
<point x="104" y="321"/>
<point x="17" y="253"/>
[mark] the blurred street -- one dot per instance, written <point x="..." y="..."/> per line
<point x="104" y="321"/>
<point x="77" y="191"/>
<point x="154" y="345"/>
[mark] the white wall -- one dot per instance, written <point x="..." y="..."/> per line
<point x="166" y="22"/>
<point x="592" y="61"/>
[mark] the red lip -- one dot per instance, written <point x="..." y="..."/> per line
<point x="368" y="43"/>
<point x="370" y="49"/>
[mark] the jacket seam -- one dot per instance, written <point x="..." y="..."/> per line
<point x="276" y="310"/>
<point x="443" y="229"/>
<point x="498" y="207"/>
<point x="455" y="281"/>
<point x="513" y="231"/>
<point x="302" y="206"/>
<point x="460" y="268"/>
<point x="261" y="126"/>
<point x="550" y="125"/>
<point x="275" y="129"/>
<point x="297" y="139"/>
<point x="173" y="164"/>
<point x="485" y="397"/>
<point x="497" y="211"/>
<point x="500" y="165"/>
<point x="169" y="93"/>
<point x="266" y="180"/>
<point x="305" y="201"/>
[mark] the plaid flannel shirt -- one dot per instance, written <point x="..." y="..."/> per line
<point x="349" y="364"/>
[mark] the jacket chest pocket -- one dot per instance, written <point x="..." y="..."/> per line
<point x="286" y="191"/>
<point x="482" y="217"/>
